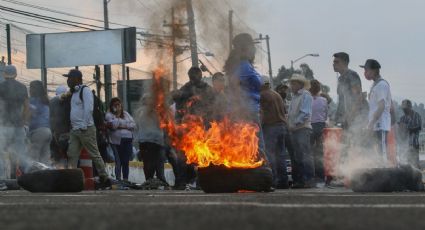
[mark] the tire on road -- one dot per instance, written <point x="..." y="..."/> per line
<point x="387" y="180"/>
<point x="57" y="180"/>
<point x="220" y="179"/>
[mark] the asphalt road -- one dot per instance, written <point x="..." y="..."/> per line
<point x="283" y="209"/>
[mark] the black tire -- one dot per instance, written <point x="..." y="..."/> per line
<point x="219" y="179"/>
<point x="60" y="180"/>
<point x="387" y="180"/>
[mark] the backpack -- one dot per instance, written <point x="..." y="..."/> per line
<point x="98" y="112"/>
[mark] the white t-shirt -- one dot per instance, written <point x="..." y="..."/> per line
<point x="380" y="91"/>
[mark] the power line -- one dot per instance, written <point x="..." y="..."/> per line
<point x="62" y="12"/>
<point x="52" y="19"/>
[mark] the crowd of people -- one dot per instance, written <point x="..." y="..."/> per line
<point x="53" y="132"/>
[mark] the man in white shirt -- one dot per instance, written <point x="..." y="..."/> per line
<point x="379" y="105"/>
<point x="83" y="130"/>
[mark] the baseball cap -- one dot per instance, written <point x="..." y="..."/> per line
<point x="9" y="71"/>
<point x="371" y="64"/>
<point x="73" y="73"/>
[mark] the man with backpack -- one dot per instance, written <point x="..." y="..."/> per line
<point x="83" y="129"/>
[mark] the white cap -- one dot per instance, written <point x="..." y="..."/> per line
<point x="61" y="90"/>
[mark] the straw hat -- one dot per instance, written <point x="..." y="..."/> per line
<point x="300" y="78"/>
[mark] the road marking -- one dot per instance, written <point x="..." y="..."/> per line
<point x="236" y="204"/>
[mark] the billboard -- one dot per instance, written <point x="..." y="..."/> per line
<point x="81" y="48"/>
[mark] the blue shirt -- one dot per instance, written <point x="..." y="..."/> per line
<point x="39" y="114"/>
<point x="250" y="81"/>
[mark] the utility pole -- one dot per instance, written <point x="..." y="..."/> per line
<point x="267" y="38"/>
<point x="107" y="68"/>
<point x="173" y="34"/>
<point x="192" y="33"/>
<point x="9" y="48"/>
<point x="128" y="91"/>
<point x="230" y="30"/>
<point x="97" y="80"/>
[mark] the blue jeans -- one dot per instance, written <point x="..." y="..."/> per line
<point x="124" y="152"/>
<point x="302" y="159"/>
<point x="274" y="138"/>
<point x="317" y="148"/>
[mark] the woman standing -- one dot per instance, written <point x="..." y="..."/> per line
<point x="121" y="126"/>
<point x="151" y="140"/>
<point x="244" y="83"/>
<point x="39" y="127"/>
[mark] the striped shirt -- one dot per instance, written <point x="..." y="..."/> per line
<point x="413" y="124"/>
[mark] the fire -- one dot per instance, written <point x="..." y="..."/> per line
<point x="233" y="144"/>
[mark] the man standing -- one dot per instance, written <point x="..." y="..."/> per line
<point x="194" y="98"/>
<point x="299" y="122"/>
<point x="349" y="91"/>
<point x="221" y="104"/>
<point x="410" y="125"/>
<point x="379" y="106"/>
<point x="273" y="123"/>
<point x="14" y="114"/>
<point x="83" y="130"/>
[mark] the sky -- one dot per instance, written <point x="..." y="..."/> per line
<point x="391" y="31"/>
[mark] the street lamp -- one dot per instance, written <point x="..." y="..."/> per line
<point x="307" y="55"/>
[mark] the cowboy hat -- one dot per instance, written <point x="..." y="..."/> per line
<point x="300" y="78"/>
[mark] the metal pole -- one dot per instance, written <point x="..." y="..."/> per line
<point x="107" y="68"/>
<point x="173" y="31"/>
<point x="128" y="93"/>
<point x="124" y="80"/>
<point x="230" y="29"/>
<point x="192" y="33"/>
<point x="43" y="60"/>
<point x="9" y="48"/>
<point x="97" y="79"/>
<point x="270" y="60"/>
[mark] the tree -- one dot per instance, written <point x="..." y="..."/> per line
<point x="306" y="71"/>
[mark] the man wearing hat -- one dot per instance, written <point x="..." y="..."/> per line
<point x="379" y="105"/>
<point x="410" y="125"/>
<point x="273" y="123"/>
<point x="299" y="123"/>
<point x="14" y="114"/>
<point x="83" y="130"/>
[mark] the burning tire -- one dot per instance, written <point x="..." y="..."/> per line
<point x="60" y="180"/>
<point x="219" y="179"/>
<point x="387" y="180"/>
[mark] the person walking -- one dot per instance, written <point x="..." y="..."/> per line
<point x="299" y="122"/>
<point x="379" y="107"/>
<point x="319" y="117"/>
<point x="410" y="125"/>
<point x="273" y="123"/>
<point x="39" y="127"/>
<point x="121" y="126"/>
<point x="83" y="130"/>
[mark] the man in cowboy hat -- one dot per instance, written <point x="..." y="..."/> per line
<point x="299" y="122"/>
<point x="379" y="105"/>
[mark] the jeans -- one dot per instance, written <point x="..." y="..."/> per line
<point x="274" y="138"/>
<point x="302" y="159"/>
<point x="153" y="160"/>
<point x="85" y="139"/>
<point x="123" y="154"/>
<point x="317" y="148"/>
<point x="381" y="143"/>
<point x="40" y="145"/>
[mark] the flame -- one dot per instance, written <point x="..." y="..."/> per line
<point x="233" y="144"/>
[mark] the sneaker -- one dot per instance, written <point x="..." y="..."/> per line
<point x="105" y="184"/>
<point x="3" y="187"/>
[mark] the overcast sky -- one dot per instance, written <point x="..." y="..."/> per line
<point x="391" y="31"/>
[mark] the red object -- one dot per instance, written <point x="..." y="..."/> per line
<point x="391" y="148"/>
<point x="86" y="165"/>
<point x="331" y="151"/>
